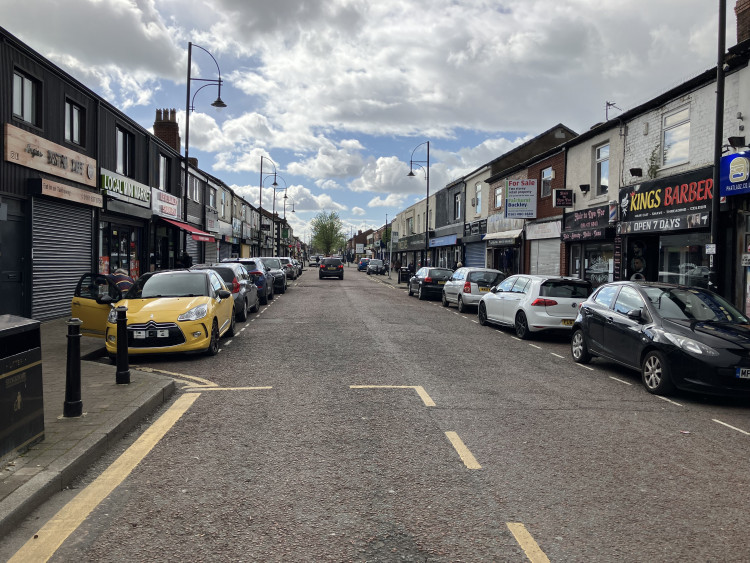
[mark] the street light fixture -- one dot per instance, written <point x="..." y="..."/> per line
<point x="274" y="217"/>
<point x="260" y="196"/>
<point x="218" y="104"/>
<point x="426" y="169"/>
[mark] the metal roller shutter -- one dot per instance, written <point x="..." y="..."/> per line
<point x="476" y="255"/>
<point x="212" y="254"/>
<point x="545" y="257"/>
<point x="62" y="244"/>
<point x="225" y="251"/>
<point x="191" y="247"/>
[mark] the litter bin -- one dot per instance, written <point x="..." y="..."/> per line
<point x="21" y="400"/>
<point x="403" y="275"/>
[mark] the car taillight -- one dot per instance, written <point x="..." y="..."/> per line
<point x="341" y="266"/>
<point x="539" y="302"/>
<point x="235" y="286"/>
<point x="322" y="266"/>
<point x="258" y="275"/>
<point x="467" y="287"/>
<point x="428" y="280"/>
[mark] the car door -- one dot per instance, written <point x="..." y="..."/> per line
<point x="224" y="307"/>
<point x="91" y="302"/>
<point x="452" y="286"/>
<point x="623" y="333"/>
<point x="494" y="302"/>
<point x="596" y="315"/>
<point x="512" y="300"/>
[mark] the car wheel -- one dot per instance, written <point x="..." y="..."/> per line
<point x="655" y="374"/>
<point x="243" y="313"/>
<point x="273" y="292"/>
<point x="420" y="293"/>
<point x="341" y="277"/>
<point x="578" y="348"/>
<point x="283" y="288"/>
<point x="482" y="314"/>
<point x="410" y="291"/>
<point x="522" y="326"/>
<point x="232" y="326"/>
<point x="445" y="301"/>
<point x="213" y="345"/>
<point x="368" y="272"/>
<point x="461" y="306"/>
<point x="320" y="276"/>
<point x="264" y="299"/>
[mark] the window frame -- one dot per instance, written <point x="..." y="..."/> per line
<point x="599" y="161"/>
<point x="162" y="179"/>
<point x="499" y="196"/>
<point x="31" y="104"/>
<point x="457" y="205"/>
<point x="478" y="198"/>
<point x="545" y="181"/>
<point x="71" y="129"/>
<point x="672" y="127"/>
<point x="124" y="152"/>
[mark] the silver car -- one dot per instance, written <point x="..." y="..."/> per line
<point x="467" y="285"/>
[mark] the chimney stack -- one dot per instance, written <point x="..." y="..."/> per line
<point x="742" y="11"/>
<point x="166" y="128"/>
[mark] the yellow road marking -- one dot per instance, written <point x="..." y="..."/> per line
<point x="52" y="535"/>
<point x="226" y="388"/>
<point x="527" y="543"/>
<point x="200" y="380"/>
<point x="418" y="388"/>
<point x="466" y="456"/>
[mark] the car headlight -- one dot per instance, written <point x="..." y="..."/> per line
<point x="691" y="346"/>
<point x="112" y="317"/>
<point x="194" y="314"/>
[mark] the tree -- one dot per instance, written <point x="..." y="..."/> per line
<point x="327" y="232"/>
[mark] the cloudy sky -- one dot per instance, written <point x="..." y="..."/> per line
<point x="339" y="92"/>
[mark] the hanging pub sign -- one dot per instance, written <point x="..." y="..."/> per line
<point x="562" y="198"/>
<point x="679" y="202"/>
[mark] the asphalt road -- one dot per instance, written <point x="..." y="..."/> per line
<point x="350" y="422"/>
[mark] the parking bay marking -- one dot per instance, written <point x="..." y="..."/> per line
<point x="730" y="426"/>
<point x="527" y="543"/>
<point x="54" y="533"/>
<point x="620" y="380"/>
<point x="418" y="388"/>
<point x="466" y="456"/>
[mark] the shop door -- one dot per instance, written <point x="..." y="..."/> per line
<point x="62" y="250"/>
<point x="12" y="250"/>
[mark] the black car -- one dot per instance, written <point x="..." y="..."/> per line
<point x="278" y="273"/>
<point x="261" y="276"/>
<point x="676" y="336"/>
<point x="331" y="268"/>
<point x="240" y="283"/>
<point x="429" y="282"/>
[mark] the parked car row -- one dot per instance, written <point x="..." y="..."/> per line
<point x="178" y="311"/>
<point x="676" y="336"/>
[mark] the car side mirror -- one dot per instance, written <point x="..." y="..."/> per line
<point x="635" y="315"/>
<point x="105" y="300"/>
<point x="224" y="294"/>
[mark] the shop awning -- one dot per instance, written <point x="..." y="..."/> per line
<point x="512" y="234"/>
<point x="196" y="233"/>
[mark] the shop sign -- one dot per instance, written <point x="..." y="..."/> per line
<point x="562" y="198"/>
<point x="61" y="191"/>
<point x="745" y="261"/>
<point x="549" y="229"/>
<point x="475" y="228"/>
<point x="123" y="188"/>
<point x="236" y="227"/>
<point x="212" y="220"/>
<point x="232" y="240"/>
<point x="520" y="199"/>
<point x="734" y="176"/>
<point x="448" y="240"/>
<point x="246" y="230"/>
<point x="166" y="205"/>
<point x="676" y="222"/>
<point x="586" y="224"/>
<point x="32" y="151"/>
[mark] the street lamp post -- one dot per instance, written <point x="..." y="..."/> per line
<point x="426" y="169"/>
<point x="218" y="103"/>
<point x="273" y="216"/>
<point x="260" y="196"/>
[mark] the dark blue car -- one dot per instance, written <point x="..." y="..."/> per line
<point x="260" y="274"/>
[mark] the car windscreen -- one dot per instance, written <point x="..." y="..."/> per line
<point x="486" y="279"/>
<point x="693" y="305"/>
<point x="565" y="288"/>
<point x="272" y="263"/>
<point x="185" y="284"/>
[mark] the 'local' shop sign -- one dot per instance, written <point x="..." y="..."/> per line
<point x="734" y="176"/>
<point x="125" y="189"/>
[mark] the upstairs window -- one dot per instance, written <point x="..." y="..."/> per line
<point x="212" y="198"/>
<point x="26" y="98"/>
<point x="74" y="123"/>
<point x="162" y="182"/>
<point x="676" y="137"/>
<point x="547" y="176"/>
<point x="499" y="196"/>
<point x="478" y="198"/>
<point x="457" y="206"/>
<point x="602" y="169"/>
<point x="125" y="152"/>
<point x="222" y="210"/>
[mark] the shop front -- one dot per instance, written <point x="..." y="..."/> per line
<point x="165" y="233"/>
<point x="589" y="240"/>
<point x="665" y="227"/>
<point x="225" y="240"/>
<point x="123" y="224"/>
<point x="504" y="240"/>
<point x="543" y="247"/>
<point x="475" y="248"/>
<point x="247" y="241"/>
<point x="411" y="250"/>
<point x="212" y="228"/>
<point x="446" y="250"/>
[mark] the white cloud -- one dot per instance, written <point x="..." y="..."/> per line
<point x="358" y="211"/>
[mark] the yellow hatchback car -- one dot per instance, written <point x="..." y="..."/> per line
<point x="168" y="312"/>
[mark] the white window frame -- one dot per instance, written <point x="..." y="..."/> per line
<point x="457" y="205"/>
<point x="600" y="161"/>
<point x="478" y="198"/>
<point x="546" y="182"/>
<point x="162" y="180"/>
<point x="676" y="122"/>
<point x="499" y="196"/>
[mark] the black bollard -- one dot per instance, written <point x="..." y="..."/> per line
<point x="122" y="376"/>
<point x="73" y="405"/>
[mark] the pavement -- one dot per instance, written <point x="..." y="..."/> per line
<point x="71" y="445"/>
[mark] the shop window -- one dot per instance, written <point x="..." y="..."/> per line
<point x="598" y="262"/>
<point x="26" y="98"/>
<point x="125" y="152"/>
<point x="163" y="179"/>
<point x="602" y="169"/>
<point x="682" y="259"/>
<point x="676" y="137"/>
<point x="74" y="123"/>
<point x="547" y="176"/>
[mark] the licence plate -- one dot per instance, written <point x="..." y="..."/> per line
<point x="441" y="283"/>
<point x="331" y="267"/>
<point x="484" y="289"/>
<point x="743" y="373"/>
<point x="567" y="322"/>
<point x="142" y="334"/>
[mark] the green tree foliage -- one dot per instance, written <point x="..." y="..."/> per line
<point x="327" y="232"/>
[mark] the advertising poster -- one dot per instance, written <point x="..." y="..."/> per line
<point x="520" y="199"/>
